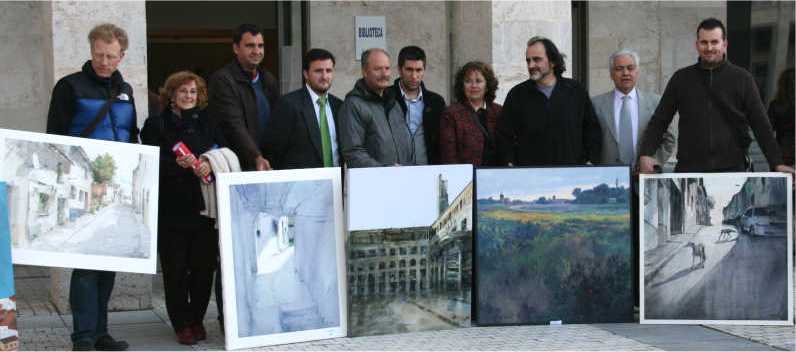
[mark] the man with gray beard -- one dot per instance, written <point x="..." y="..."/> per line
<point x="548" y="119"/>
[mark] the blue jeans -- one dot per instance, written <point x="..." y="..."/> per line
<point x="89" y="293"/>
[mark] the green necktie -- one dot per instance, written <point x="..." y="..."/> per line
<point x="326" y="139"/>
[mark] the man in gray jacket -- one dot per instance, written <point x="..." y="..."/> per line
<point x="625" y="111"/>
<point x="373" y="130"/>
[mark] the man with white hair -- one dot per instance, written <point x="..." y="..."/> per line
<point x="625" y="111"/>
<point x="623" y="114"/>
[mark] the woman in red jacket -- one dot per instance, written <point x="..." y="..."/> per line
<point x="467" y="127"/>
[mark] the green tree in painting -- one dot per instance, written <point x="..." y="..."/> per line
<point x="103" y="168"/>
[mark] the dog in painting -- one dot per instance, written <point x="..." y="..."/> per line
<point x="697" y="252"/>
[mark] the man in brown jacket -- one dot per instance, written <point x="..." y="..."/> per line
<point x="242" y="96"/>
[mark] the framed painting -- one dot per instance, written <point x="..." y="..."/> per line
<point x="716" y="249"/>
<point x="409" y="248"/>
<point x="81" y="203"/>
<point x="282" y="256"/>
<point x="553" y="245"/>
<point x="9" y="335"/>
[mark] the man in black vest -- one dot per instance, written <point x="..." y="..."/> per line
<point x="95" y="103"/>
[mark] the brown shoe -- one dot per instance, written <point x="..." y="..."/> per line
<point x="185" y="337"/>
<point x="199" y="331"/>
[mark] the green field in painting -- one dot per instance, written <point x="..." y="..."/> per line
<point x="568" y="262"/>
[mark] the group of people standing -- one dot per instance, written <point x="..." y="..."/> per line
<point x="546" y="120"/>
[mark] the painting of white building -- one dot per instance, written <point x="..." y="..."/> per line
<point x="282" y="255"/>
<point x="71" y="202"/>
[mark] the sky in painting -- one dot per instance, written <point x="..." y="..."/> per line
<point x="532" y="183"/>
<point x="399" y="197"/>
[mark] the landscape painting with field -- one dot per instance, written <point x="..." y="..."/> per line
<point x="553" y="244"/>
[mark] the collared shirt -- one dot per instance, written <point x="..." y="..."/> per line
<point x="263" y="108"/>
<point x="633" y="101"/>
<point x="329" y="120"/>
<point x="414" y="109"/>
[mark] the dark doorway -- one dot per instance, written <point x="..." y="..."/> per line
<point x="197" y="35"/>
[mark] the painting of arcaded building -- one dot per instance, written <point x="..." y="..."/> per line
<point x="411" y="278"/>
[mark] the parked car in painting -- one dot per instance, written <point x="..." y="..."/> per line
<point x="764" y="221"/>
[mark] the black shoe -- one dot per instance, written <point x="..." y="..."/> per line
<point x="107" y="343"/>
<point x="84" y="345"/>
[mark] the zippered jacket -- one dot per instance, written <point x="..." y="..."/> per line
<point x="714" y="127"/>
<point x="373" y="131"/>
<point x="79" y="97"/>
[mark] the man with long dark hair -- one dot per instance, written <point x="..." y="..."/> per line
<point x="548" y="119"/>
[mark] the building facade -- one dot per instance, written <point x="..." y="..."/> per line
<point x="672" y="207"/>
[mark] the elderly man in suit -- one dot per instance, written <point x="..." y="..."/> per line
<point x="302" y="133"/>
<point x="625" y="111"/>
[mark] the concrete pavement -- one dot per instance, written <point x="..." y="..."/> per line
<point x="43" y="328"/>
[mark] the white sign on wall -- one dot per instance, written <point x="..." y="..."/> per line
<point x="371" y="32"/>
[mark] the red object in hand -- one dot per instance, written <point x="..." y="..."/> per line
<point x="181" y="150"/>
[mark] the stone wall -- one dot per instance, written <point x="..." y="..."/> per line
<point x="513" y="23"/>
<point x="71" y="22"/>
<point x="663" y="33"/>
<point x="423" y="24"/>
<point x="468" y="39"/>
<point x="25" y="65"/>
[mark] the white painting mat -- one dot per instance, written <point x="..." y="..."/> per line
<point x="231" y="329"/>
<point x="717" y="176"/>
<point x="122" y="153"/>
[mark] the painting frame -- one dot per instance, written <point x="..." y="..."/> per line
<point x="643" y="305"/>
<point x="624" y="171"/>
<point x="137" y="193"/>
<point x="226" y="250"/>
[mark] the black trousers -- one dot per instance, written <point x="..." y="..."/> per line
<point x="635" y="234"/>
<point x="188" y="248"/>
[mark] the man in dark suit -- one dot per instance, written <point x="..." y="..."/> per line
<point x="302" y="132"/>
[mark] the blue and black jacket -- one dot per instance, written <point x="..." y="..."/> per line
<point x="78" y="98"/>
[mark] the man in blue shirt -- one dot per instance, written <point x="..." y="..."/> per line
<point x="242" y="96"/>
<point x="421" y="107"/>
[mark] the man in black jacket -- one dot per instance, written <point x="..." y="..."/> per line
<point x="548" y="119"/>
<point x="717" y="102"/>
<point x="242" y="96"/>
<point x="421" y="107"/>
<point x="95" y="103"/>
<point x="302" y="131"/>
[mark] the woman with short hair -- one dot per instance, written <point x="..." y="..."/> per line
<point x="187" y="240"/>
<point x="467" y="127"/>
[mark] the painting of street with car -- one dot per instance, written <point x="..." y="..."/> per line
<point x="716" y="248"/>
